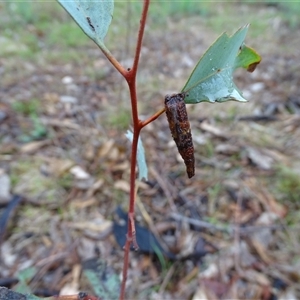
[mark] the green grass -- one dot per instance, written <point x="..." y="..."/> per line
<point x="214" y="191"/>
<point x="27" y="108"/>
<point x="161" y="9"/>
<point x="287" y="185"/>
<point x="293" y="217"/>
<point x="65" y="35"/>
<point x="31" y="27"/>
<point x="208" y="149"/>
<point x="27" y="179"/>
<point x="118" y="118"/>
<point x="17" y="169"/>
<point x="30" y="109"/>
<point x="29" y="171"/>
<point x="66" y="181"/>
<point x="290" y="13"/>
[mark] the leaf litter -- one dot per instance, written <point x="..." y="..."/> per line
<point x="232" y="230"/>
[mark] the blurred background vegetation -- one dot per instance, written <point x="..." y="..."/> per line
<point x="27" y="27"/>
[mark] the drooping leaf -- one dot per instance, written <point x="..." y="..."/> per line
<point x="141" y="159"/>
<point x="146" y="240"/>
<point x="212" y="79"/>
<point x="94" y="17"/>
<point x="7" y="212"/>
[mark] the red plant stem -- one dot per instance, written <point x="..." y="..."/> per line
<point x="152" y="118"/>
<point x="130" y="77"/>
<point x="113" y="61"/>
<point x="116" y="64"/>
<point x="140" y="37"/>
<point x="130" y="237"/>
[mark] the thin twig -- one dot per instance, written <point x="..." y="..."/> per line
<point x="237" y="237"/>
<point x="164" y="187"/>
<point x="230" y="229"/>
<point x="167" y="279"/>
<point x="152" y="118"/>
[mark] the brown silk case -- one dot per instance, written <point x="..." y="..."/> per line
<point x="181" y="130"/>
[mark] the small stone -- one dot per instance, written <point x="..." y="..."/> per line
<point x="4" y="187"/>
<point x="68" y="99"/>
<point x="257" y="87"/>
<point x="67" y="80"/>
<point x="3" y="115"/>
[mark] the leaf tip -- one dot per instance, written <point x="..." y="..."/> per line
<point x="252" y="67"/>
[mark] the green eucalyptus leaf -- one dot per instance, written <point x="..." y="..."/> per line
<point x="212" y="79"/>
<point x="141" y="159"/>
<point x="94" y="17"/>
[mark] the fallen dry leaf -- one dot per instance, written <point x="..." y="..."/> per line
<point x="260" y="159"/>
<point x="72" y="287"/>
<point x="122" y="185"/>
<point x="205" y="126"/>
<point x="262" y="251"/>
<point x="106" y="148"/>
<point x="57" y="167"/>
<point x="32" y="147"/>
<point x="79" y="173"/>
<point x="254" y="276"/>
<point x="227" y="149"/>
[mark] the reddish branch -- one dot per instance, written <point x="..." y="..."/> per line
<point x="130" y="77"/>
